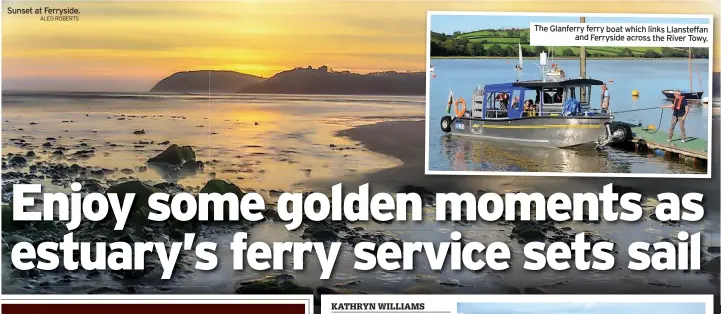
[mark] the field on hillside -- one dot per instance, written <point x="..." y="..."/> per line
<point x="504" y="43"/>
<point x="505" y="37"/>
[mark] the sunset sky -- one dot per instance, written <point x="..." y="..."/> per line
<point x="128" y="46"/>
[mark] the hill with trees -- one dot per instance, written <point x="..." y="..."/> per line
<point x="504" y="43"/>
<point x="301" y="80"/>
<point x="323" y="80"/>
<point x="205" y="81"/>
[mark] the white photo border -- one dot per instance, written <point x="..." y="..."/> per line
<point x="448" y="303"/>
<point x="707" y="175"/>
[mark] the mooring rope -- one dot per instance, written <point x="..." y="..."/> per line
<point x="659" y="124"/>
<point x="633" y="110"/>
<point x="649" y="108"/>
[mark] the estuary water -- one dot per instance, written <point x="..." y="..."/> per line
<point x="648" y="77"/>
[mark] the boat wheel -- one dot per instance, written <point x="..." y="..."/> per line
<point x="625" y="130"/>
<point x="446" y="124"/>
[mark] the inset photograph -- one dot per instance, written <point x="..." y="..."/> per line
<point x="497" y="105"/>
<point x="581" y="308"/>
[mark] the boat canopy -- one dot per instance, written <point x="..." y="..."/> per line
<point x="506" y="100"/>
<point x="558" y="84"/>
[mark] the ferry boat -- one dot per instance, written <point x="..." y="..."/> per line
<point x="551" y="112"/>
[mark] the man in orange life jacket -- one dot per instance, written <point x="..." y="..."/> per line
<point x="605" y="98"/>
<point x="680" y="111"/>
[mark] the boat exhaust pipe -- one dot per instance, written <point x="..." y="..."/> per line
<point x="609" y="134"/>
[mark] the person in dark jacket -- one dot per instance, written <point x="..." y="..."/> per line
<point x="680" y="111"/>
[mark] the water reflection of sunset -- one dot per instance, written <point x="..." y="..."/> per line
<point x="255" y="115"/>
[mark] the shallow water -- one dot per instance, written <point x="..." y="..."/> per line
<point x="649" y="77"/>
<point x="293" y="134"/>
<point x="259" y="142"/>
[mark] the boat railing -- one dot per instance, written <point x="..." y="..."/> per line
<point x="477" y="94"/>
<point x="496" y="113"/>
<point x="477" y="104"/>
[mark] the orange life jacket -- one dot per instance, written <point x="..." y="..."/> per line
<point x="677" y="103"/>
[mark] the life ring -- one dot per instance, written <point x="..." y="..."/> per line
<point x="460" y="112"/>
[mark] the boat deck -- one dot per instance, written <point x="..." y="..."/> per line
<point x="694" y="151"/>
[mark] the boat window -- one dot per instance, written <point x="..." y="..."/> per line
<point x="504" y="100"/>
<point x="490" y="105"/>
<point x="558" y="98"/>
<point x="498" y="104"/>
<point x="515" y="109"/>
<point x="571" y="93"/>
<point x="491" y="101"/>
<point x="549" y="96"/>
<point x="515" y="100"/>
<point x="585" y="94"/>
<point x="530" y="108"/>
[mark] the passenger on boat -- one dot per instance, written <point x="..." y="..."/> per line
<point x="516" y="102"/>
<point x="528" y="105"/>
<point x="605" y="98"/>
<point x="503" y="99"/>
<point x="558" y="97"/>
<point x="529" y="108"/>
<point x="680" y="111"/>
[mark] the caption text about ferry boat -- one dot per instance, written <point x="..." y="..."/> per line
<point x="621" y="34"/>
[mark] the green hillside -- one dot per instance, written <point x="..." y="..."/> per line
<point x="504" y="43"/>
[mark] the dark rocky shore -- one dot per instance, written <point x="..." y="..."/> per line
<point x="28" y="168"/>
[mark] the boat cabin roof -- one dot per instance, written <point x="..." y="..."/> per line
<point x="538" y="84"/>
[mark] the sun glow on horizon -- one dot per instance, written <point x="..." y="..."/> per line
<point x="132" y="45"/>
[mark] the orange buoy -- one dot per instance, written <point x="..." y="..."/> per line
<point x="460" y="107"/>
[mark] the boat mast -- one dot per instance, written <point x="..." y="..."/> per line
<point x="690" y="73"/>
<point x="583" y="55"/>
<point x="542" y="60"/>
<point x="550" y="53"/>
<point x="584" y="97"/>
<point x="519" y="67"/>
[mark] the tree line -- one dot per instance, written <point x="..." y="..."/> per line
<point x="456" y="45"/>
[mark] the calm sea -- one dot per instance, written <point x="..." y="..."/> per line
<point x="648" y="77"/>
